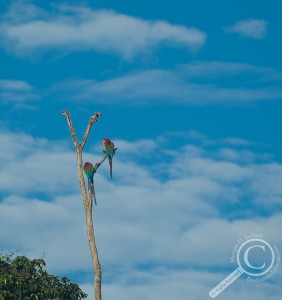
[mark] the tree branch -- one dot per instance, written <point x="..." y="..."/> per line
<point x="87" y="202"/>
<point x="93" y="119"/>
<point x="97" y="165"/>
<point x="73" y="135"/>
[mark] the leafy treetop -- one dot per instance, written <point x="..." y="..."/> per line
<point x="24" y="279"/>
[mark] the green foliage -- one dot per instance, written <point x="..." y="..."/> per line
<point x="24" y="279"/>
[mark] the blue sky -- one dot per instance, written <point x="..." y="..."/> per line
<point x="190" y="94"/>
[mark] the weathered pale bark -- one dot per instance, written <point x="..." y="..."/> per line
<point x="87" y="202"/>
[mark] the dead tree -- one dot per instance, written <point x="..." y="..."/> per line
<point x="87" y="201"/>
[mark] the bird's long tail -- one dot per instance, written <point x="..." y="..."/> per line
<point x="93" y="193"/>
<point x="111" y="166"/>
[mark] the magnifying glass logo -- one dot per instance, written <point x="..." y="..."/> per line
<point x="247" y="264"/>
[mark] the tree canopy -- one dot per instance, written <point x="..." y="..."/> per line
<point x="25" y="279"/>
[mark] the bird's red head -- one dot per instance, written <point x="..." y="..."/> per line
<point x="106" y="141"/>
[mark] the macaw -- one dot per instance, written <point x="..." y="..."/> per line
<point x="109" y="150"/>
<point x="89" y="172"/>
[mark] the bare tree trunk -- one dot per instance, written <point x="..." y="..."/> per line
<point x="87" y="202"/>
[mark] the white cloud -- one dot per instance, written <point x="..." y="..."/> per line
<point x="268" y="182"/>
<point x="196" y="137"/>
<point x="16" y="92"/>
<point x="181" y="228"/>
<point x="15" y="145"/>
<point x="231" y="155"/>
<point x="183" y="284"/>
<point x="51" y="228"/>
<point x="140" y="147"/>
<point x="179" y="86"/>
<point x="73" y="28"/>
<point x="218" y="69"/>
<point x="251" y="28"/>
<point x="34" y="165"/>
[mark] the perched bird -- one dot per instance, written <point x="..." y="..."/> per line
<point x="89" y="172"/>
<point x="109" y="150"/>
